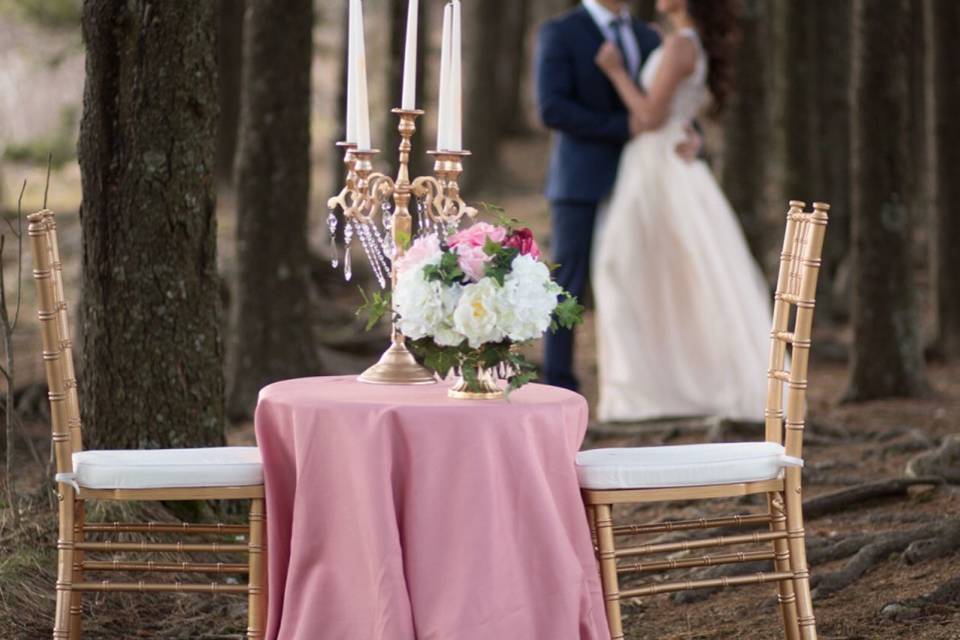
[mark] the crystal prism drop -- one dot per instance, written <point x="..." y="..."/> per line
<point x="347" y="267"/>
<point x="332" y="226"/>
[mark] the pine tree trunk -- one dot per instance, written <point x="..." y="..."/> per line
<point x="152" y="354"/>
<point x="945" y="25"/>
<point x="481" y="116"/>
<point x="831" y="97"/>
<point x="272" y="336"/>
<point x="514" y="72"/>
<point x="747" y="124"/>
<point x="887" y="358"/>
<point x="797" y="72"/>
<point x="229" y="60"/>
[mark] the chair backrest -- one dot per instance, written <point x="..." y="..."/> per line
<point x="796" y="289"/>
<point x="55" y="334"/>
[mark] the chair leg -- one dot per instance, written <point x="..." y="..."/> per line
<point x="256" y="612"/>
<point x="76" y="604"/>
<point x="61" y="623"/>
<point x="798" y="555"/>
<point x="608" y="568"/>
<point x="781" y="552"/>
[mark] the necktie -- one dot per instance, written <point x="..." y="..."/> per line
<point x="615" y="26"/>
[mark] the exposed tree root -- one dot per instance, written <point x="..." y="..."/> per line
<point x="943" y="462"/>
<point x="854" y="496"/>
<point x="934" y="541"/>
<point x="945" y="598"/>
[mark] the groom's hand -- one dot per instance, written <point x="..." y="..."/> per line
<point x="690" y="148"/>
<point x="608" y="58"/>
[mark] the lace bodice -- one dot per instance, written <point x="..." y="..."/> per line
<point x="691" y="95"/>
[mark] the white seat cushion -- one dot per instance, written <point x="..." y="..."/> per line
<point x="168" y="468"/>
<point x="681" y="466"/>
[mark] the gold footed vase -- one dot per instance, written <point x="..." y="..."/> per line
<point x="485" y="387"/>
<point x="398" y="366"/>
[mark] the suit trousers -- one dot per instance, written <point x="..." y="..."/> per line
<point x="571" y="243"/>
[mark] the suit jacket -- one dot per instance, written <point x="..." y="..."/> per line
<point x="580" y="104"/>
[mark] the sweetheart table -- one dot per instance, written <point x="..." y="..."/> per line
<point x="396" y="513"/>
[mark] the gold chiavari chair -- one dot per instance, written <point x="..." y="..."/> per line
<point x="221" y="473"/>
<point x="610" y="477"/>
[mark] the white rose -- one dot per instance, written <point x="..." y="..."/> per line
<point x="476" y="314"/>
<point x="528" y="300"/>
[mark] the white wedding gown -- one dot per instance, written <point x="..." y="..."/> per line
<point x="683" y="313"/>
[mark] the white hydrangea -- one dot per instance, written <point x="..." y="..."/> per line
<point x="418" y="302"/>
<point x="527" y="300"/>
<point x="475" y="316"/>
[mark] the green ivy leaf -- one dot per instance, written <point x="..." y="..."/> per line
<point x="374" y="307"/>
<point x="569" y="312"/>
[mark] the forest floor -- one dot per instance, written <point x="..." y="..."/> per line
<point x="848" y="445"/>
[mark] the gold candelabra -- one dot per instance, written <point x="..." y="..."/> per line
<point x="366" y="196"/>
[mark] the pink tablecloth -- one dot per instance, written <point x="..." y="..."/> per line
<point x="395" y="513"/>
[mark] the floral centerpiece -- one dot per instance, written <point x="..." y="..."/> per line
<point x="466" y="301"/>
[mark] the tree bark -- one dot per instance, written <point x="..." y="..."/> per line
<point x="796" y="35"/>
<point x="273" y="339"/>
<point x="229" y="60"/>
<point x="150" y="315"/>
<point x="514" y="72"/>
<point x="830" y="94"/>
<point x="481" y="115"/>
<point x="945" y="24"/>
<point x="747" y="124"/>
<point x="887" y="357"/>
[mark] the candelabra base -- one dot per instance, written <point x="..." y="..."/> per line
<point x="398" y="366"/>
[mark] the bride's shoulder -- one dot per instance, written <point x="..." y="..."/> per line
<point x="680" y="50"/>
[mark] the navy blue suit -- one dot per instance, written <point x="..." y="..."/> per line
<point x="591" y="123"/>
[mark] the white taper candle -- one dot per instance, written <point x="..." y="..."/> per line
<point x="444" y="90"/>
<point x="352" y="73"/>
<point x="455" y="141"/>
<point x="363" y="106"/>
<point x="409" y="100"/>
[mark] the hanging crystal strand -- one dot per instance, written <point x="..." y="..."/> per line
<point x="427" y="219"/>
<point x="347" y="242"/>
<point x="332" y="226"/>
<point x="375" y="240"/>
<point x="385" y="240"/>
<point x="373" y="252"/>
<point x="421" y="229"/>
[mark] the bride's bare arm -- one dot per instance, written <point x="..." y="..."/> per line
<point x="649" y="111"/>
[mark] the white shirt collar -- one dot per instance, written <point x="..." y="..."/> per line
<point x="603" y="16"/>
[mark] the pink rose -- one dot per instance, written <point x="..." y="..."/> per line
<point x="522" y="239"/>
<point x="423" y="247"/>
<point x="477" y="235"/>
<point x="473" y="260"/>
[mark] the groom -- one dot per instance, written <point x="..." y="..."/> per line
<point x="592" y="125"/>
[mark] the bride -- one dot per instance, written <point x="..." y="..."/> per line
<point x="683" y="313"/>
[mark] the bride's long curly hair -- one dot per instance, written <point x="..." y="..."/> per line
<point x="717" y="23"/>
